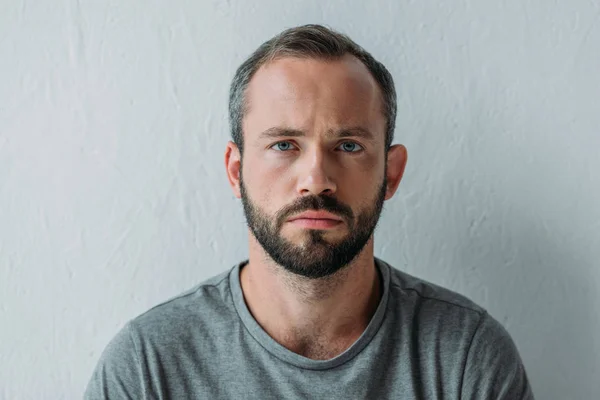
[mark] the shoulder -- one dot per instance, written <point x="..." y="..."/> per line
<point x="436" y="302"/>
<point x="160" y="336"/>
<point x="195" y="307"/>
<point x="409" y="288"/>
<point x="463" y="332"/>
<point x="435" y="315"/>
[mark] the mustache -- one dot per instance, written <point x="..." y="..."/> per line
<point x="308" y="203"/>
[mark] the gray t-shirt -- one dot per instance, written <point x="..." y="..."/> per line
<point x="423" y="342"/>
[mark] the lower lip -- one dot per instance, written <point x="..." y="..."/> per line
<point x="316" y="223"/>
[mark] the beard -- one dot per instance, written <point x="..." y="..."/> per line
<point x="316" y="257"/>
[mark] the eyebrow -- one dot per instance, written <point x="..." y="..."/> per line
<point x="276" y="132"/>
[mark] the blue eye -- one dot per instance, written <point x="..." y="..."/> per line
<point x="283" y="146"/>
<point x="351" y="147"/>
<point x="347" y="147"/>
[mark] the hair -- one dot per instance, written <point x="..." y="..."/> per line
<point x="308" y="41"/>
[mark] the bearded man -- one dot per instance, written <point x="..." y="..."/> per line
<point x="312" y="313"/>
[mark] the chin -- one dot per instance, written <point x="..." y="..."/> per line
<point x="316" y="237"/>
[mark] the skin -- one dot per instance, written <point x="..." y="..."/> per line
<point x="320" y="308"/>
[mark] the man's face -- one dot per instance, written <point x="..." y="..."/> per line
<point x="314" y="139"/>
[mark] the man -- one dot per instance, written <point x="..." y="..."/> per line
<point x="312" y="313"/>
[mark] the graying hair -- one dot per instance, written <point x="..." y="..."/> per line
<point x="308" y="41"/>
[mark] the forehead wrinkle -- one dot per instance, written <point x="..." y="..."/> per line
<point x="275" y="132"/>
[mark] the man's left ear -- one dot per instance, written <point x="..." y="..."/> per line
<point x="396" y="162"/>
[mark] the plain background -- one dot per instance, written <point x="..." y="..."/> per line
<point x="113" y="193"/>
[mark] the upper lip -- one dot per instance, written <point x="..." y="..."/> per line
<point x="316" y="215"/>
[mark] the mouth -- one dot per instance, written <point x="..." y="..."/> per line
<point x="316" y="219"/>
<point x="316" y="223"/>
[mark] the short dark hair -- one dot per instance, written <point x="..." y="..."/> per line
<point x="308" y="41"/>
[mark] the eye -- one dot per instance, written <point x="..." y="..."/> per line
<point x="282" y="146"/>
<point x="351" y="147"/>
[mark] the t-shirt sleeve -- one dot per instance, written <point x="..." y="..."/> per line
<point x="118" y="374"/>
<point x="494" y="369"/>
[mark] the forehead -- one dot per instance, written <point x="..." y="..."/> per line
<point x="307" y="94"/>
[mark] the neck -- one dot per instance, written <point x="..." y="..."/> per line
<point x="318" y="318"/>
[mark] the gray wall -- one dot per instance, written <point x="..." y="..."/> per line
<point x="113" y="193"/>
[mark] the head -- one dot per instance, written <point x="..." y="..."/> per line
<point x="312" y="120"/>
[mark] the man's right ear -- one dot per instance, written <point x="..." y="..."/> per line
<point x="233" y="164"/>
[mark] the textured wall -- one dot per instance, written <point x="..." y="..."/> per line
<point x="113" y="193"/>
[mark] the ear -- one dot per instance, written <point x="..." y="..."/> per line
<point x="396" y="162"/>
<point x="232" y="166"/>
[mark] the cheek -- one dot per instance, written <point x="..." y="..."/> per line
<point x="361" y="180"/>
<point x="361" y="190"/>
<point x="267" y="174"/>
<point x="262" y="186"/>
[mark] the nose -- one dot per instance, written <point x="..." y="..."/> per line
<point x="315" y="175"/>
